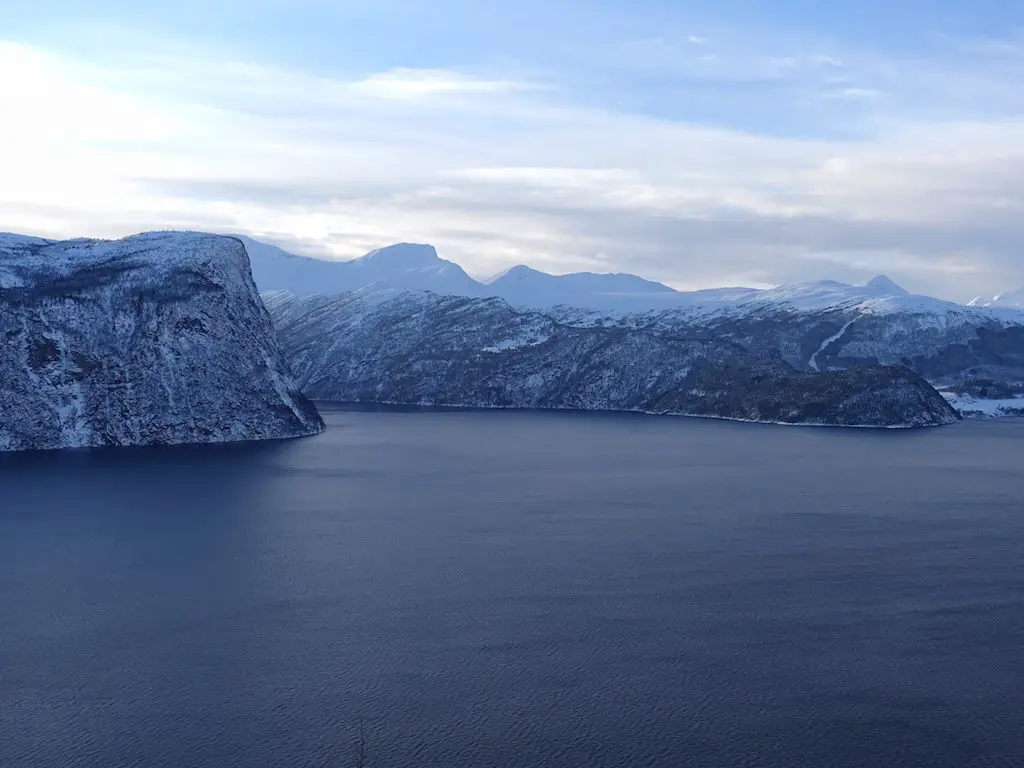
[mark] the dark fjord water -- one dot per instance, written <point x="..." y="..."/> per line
<point x="519" y="589"/>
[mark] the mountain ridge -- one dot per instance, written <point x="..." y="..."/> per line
<point x="411" y="266"/>
<point x="417" y="266"/>
<point x="424" y="349"/>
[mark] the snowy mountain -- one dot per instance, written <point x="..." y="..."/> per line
<point x="957" y="349"/>
<point x="878" y="295"/>
<point x="400" y="267"/>
<point x="154" y="339"/>
<point x="523" y="286"/>
<point x="815" y="326"/>
<point x="884" y="286"/>
<point x="423" y="349"/>
<point x="11" y="240"/>
<point x="812" y="344"/>
<point x="948" y="344"/>
<point x="406" y="266"/>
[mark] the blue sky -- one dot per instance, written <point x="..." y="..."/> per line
<point x="699" y="143"/>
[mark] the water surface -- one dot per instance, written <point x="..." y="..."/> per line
<point x="518" y="589"/>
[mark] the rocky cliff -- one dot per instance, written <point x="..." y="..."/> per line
<point x="153" y="339"/>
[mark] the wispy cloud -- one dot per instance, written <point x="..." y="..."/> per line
<point x="406" y="83"/>
<point x="495" y="169"/>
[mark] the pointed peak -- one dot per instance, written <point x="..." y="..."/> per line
<point x="887" y="286"/>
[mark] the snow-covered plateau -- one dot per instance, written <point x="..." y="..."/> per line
<point x="158" y="338"/>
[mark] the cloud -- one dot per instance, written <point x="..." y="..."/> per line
<point x="495" y="170"/>
<point x="418" y="83"/>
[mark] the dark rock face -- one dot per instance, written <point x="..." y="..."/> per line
<point x="868" y="396"/>
<point x="949" y="346"/>
<point x="967" y="348"/>
<point x="422" y="349"/>
<point x="157" y="338"/>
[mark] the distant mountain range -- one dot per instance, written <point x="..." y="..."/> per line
<point x="400" y="267"/>
<point x="407" y="266"/>
<point x="403" y="325"/>
<point x="974" y="354"/>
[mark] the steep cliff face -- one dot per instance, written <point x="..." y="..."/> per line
<point x="157" y="338"/>
<point x="418" y="348"/>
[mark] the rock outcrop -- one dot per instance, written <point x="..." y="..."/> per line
<point x="154" y="339"/>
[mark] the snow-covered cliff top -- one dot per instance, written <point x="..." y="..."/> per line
<point x="156" y="338"/>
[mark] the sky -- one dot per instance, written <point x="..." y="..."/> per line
<point x="706" y="143"/>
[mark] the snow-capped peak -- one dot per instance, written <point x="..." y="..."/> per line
<point x="885" y="286"/>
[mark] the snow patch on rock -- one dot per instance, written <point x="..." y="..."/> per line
<point x="975" y="407"/>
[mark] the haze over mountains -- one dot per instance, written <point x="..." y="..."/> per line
<point x="408" y="266"/>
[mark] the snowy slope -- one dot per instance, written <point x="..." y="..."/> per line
<point x="985" y="408"/>
<point x="879" y="295"/>
<point x="157" y="338"/>
<point x="277" y="269"/>
<point x="410" y="266"/>
<point x="10" y="240"/>
<point x="822" y="326"/>
<point x="420" y="348"/>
